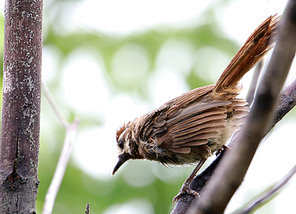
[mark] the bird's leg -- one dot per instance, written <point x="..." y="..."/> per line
<point x="224" y="148"/>
<point x="185" y="189"/>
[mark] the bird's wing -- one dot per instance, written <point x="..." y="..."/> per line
<point x="193" y="126"/>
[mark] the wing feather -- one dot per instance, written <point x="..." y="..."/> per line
<point x="191" y="127"/>
<point x="181" y="150"/>
<point x="198" y="132"/>
<point x="204" y="136"/>
<point x="181" y="127"/>
<point x="196" y="109"/>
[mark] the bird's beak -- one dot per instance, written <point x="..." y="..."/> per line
<point x="122" y="158"/>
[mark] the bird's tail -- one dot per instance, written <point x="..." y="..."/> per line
<point x="257" y="45"/>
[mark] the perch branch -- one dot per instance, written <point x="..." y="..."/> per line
<point x="233" y="167"/>
<point x="287" y="102"/>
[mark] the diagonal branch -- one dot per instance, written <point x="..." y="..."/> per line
<point x="71" y="130"/>
<point x="53" y="105"/>
<point x="232" y="169"/>
<point x="267" y="196"/>
<point x="287" y="102"/>
<point x="254" y="83"/>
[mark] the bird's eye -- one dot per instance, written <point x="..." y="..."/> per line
<point x="121" y="143"/>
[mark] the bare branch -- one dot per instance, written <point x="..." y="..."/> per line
<point x="287" y="102"/>
<point x="254" y="82"/>
<point x="268" y="195"/>
<point x="61" y="168"/>
<point x="71" y="130"/>
<point x="53" y="105"/>
<point x="232" y="169"/>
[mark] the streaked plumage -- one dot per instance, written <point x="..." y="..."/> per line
<point x="196" y="124"/>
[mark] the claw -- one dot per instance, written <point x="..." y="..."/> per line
<point x="185" y="190"/>
<point x="186" y="186"/>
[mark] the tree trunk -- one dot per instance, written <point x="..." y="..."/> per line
<point x="21" y="106"/>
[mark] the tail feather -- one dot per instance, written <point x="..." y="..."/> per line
<point x="257" y="45"/>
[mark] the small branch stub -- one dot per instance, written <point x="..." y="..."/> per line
<point x="87" y="209"/>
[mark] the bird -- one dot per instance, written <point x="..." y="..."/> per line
<point x="191" y="127"/>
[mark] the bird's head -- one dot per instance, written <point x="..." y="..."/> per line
<point x="126" y="144"/>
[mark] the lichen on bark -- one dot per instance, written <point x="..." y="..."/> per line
<point x="19" y="146"/>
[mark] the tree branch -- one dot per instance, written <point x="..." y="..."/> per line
<point x="61" y="168"/>
<point x="53" y="105"/>
<point x="232" y="169"/>
<point x="254" y="83"/>
<point x="267" y="196"/>
<point x="287" y="102"/>
<point x="71" y="130"/>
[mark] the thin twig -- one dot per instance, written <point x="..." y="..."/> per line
<point x="254" y="83"/>
<point x="53" y="105"/>
<point x="71" y="130"/>
<point x="268" y="195"/>
<point x="61" y="168"/>
<point x="232" y="169"/>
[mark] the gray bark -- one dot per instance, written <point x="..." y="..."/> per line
<point x="19" y="145"/>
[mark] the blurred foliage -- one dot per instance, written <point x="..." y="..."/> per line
<point x="77" y="187"/>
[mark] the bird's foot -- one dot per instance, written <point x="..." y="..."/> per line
<point x="185" y="190"/>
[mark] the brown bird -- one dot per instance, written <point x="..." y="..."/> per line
<point x="190" y="128"/>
